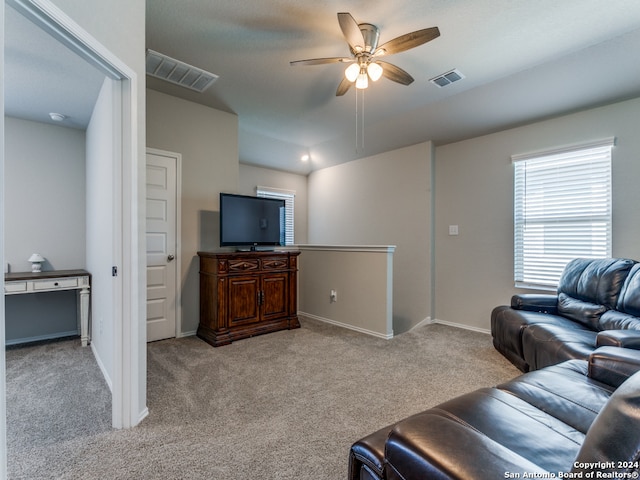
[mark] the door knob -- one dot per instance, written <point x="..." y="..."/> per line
<point x="170" y="257"/>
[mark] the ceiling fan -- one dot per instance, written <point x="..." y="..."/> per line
<point x="364" y="64"/>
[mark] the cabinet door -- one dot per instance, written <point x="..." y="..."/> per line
<point x="275" y="295"/>
<point x="244" y="296"/>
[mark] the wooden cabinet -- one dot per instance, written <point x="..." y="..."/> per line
<point x="243" y="294"/>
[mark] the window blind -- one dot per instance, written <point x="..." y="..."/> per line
<point x="562" y="210"/>
<point x="289" y="203"/>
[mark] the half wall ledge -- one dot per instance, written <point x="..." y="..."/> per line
<point x="348" y="285"/>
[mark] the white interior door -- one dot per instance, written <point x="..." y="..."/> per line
<point x="161" y="239"/>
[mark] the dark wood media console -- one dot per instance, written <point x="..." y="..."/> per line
<point x="243" y="294"/>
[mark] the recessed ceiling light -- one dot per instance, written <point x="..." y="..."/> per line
<point x="57" y="117"/>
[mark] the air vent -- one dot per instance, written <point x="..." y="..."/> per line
<point x="447" y="78"/>
<point x="174" y="71"/>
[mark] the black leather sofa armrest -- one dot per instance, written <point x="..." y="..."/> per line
<point x="619" y="338"/>
<point x="536" y="302"/>
<point x="433" y="446"/>
<point x="613" y="365"/>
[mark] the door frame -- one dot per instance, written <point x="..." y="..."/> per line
<point x="3" y="371"/>
<point x="178" y="260"/>
<point x="129" y="371"/>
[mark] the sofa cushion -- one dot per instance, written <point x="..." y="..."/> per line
<point x="629" y="299"/>
<point x="549" y="344"/>
<point x="564" y="391"/>
<point x="626" y="316"/>
<point x="508" y="326"/>
<point x="580" y="311"/>
<point x="596" y="281"/>
<point x="615" y="320"/>
<point x="614" y="435"/>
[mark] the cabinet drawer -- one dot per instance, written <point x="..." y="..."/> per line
<point x="274" y="264"/>
<point x="54" y="284"/>
<point x="15" y="287"/>
<point x="246" y="265"/>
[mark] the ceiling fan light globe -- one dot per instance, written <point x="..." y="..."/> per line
<point x="375" y="71"/>
<point x="362" y="81"/>
<point x="352" y="71"/>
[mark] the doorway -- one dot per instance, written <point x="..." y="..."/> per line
<point x="121" y="354"/>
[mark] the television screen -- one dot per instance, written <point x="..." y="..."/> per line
<point x="252" y="221"/>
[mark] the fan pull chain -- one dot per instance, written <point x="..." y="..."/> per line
<point x="362" y="122"/>
<point x="356" y="136"/>
<point x="359" y="121"/>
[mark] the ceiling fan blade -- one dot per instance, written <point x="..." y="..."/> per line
<point x="351" y="32"/>
<point x="395" y="73"/>
<point x="408" y="41"/>
<point x="343" y="87"/>
<point x="321" y="61"/>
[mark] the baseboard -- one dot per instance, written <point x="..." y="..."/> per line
<point x="463" y="326"/>
<point x="105" y="374"/>
<point x="144" y="414"/>
<point x="40" y="338"/>
<point x="187" y="334"/>
<point x="426" y="321"/>
<point x="346" y="325"/>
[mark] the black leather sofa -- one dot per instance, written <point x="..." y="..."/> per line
<point x="571" y="420"/>
<point x="597" y="304"/>
<point x="575" y="414"/>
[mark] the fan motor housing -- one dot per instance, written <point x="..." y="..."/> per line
<point x="371" y="35"/>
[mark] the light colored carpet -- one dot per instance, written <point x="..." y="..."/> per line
<point x="286" y="405"/>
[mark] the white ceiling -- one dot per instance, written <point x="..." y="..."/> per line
<point x="523" y="61"/>
<point x="43" y="76"/>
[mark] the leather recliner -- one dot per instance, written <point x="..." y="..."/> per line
<point x="597" y="304"/>
<point x="566" y="419"/>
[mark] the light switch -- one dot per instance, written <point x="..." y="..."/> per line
<point x="453" y="229"/>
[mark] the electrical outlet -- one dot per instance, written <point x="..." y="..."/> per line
<point x="333" y="296"/>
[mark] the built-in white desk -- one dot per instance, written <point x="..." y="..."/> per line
<point x="80" y="280"/>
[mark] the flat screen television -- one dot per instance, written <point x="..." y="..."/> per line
<point x="251" y="221"/>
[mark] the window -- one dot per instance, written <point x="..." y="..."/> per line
<point x="289" y="199"/>
<point x="562" y="211"/>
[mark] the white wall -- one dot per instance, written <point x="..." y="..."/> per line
<point x="44" y="178"/>
<point x="45" y="184"/>
<point x="252" y="176"/>
<point x="382" y="200"/>
<point x="100" y="228"/>
<point x="119" y="25"/>
<point x="208" y="142"/>
<point x="474" y="189"/>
